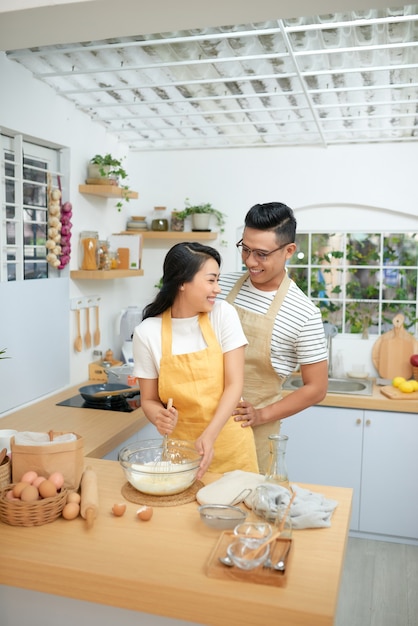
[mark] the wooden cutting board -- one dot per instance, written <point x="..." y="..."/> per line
<point x="395" y="394"/>
<point x="392" y="351"/>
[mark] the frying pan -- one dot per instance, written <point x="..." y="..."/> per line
<point x="89" y="392"/>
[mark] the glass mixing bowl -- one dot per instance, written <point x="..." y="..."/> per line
<point x="148" y="471"/>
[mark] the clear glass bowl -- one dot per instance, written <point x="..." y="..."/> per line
<point x="221" y="516"/>
<point x="147" y="472"/>
<point x="238" y="551"/>
<point x="253" y="533"/>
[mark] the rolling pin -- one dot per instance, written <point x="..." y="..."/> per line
<point x="89" y="504"/>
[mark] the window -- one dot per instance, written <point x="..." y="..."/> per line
<point x="360" y="281"/>
<point x="27" y="171"/>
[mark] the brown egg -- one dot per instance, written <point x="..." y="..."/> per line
<point x="74" y="497"/>
<point x="29" y="494"/>
<point x="10" y="496"/>
<point x="38" y="481"/>
<point x="57" y="478"/>
<point x="145" y="513"/>
<point x="71" y="510"/>
<point x="47" y="489"/>
<point x="18" y="488"/>
<point x="118" y="509"/>
<point x="29" y="477"/>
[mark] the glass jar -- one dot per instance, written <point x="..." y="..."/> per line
<point x="277" y="470"/>
<point x="103" y="255"/>
<point x="159" y="221"/>
<point x="88" y="244"/>
<point x="177" y="223"/>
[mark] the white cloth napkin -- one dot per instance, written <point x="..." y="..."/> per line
<point x="308" y="509"/>
<point x="27" y="438"/>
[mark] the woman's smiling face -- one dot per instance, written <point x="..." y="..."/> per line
<point x="198" y="295"/>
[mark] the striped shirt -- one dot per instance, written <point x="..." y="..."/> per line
<point x="298" y="333"/>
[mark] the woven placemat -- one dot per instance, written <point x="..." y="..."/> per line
<point x="133" y="495"/>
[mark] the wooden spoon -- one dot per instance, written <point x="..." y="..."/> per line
<point x="87" y="336"/>
<point x="78" y="343"/>
<point x="96" y="336"/>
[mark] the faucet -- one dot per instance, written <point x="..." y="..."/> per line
<point x="330" y="332"/>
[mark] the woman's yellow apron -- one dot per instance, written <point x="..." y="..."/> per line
<point x="262" y="384"/>
<point x="195" y="381"/>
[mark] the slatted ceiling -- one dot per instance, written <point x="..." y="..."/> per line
<point x="319" y="80"/>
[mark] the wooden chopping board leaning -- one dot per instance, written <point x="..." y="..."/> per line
<point x="392" y="351"/>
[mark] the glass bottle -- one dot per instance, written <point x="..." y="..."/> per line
<point x="277" y="470"/>
<point x="159" y="221"/>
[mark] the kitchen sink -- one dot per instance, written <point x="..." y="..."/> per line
<point x="337" y="385"/>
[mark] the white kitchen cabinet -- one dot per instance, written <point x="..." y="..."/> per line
<point x="389" y="502"/>
<point x="325" y="448"/>
<point x="374" y="452"/>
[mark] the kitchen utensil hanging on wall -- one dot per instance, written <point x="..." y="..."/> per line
<point x="78" y="342"/>
<point x="87" y="336"/>
<point x="96" y="337"/>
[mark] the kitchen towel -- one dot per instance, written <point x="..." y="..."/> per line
<point x="308" y="510"/>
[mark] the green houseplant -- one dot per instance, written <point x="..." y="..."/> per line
<point x="108" y="167"/>
<point x="2" y="352"/>
<point x="198" y="209"/>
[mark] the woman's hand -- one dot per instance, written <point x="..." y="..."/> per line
<point x="245" y="413"/>
<point x="204" y="446"/>
<point x="166" y="420"/>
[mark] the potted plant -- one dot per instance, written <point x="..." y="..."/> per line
<point x="196" y="211"/>
<point x="108" y="169"/>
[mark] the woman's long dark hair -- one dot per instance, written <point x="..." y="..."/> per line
<point x="181" y="264"/>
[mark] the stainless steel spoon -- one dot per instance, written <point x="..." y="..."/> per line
<point x="281" y="565"/>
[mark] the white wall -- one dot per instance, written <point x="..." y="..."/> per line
<point x="357" y="187"/>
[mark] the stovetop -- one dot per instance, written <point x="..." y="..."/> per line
<point x="119" y="404"/>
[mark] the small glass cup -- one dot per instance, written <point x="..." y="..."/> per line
<point x="283" y="520"/>
<point x="238" y="551"/>
<point x="253" y="534"/>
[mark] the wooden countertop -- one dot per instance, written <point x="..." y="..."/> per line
<point x="159" y="566"/>
<point x="102" y="431"/>
<point x="376" y="402"/>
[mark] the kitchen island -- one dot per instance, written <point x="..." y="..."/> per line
<point x="158" y="567"/>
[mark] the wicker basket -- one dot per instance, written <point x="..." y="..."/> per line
<point x="5" y="473"/>
<point x="415" y="372"/>
<point x="37" y="513"/>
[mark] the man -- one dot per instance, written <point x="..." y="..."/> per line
<point x="283" y="327"/>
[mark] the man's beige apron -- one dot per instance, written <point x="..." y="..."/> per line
<point x="195" y="381"/>
<point x="262" y="385"/>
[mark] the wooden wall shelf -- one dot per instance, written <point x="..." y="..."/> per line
<point x="104" y="274"/>
<point x="174" y="235"/>
<point x="107" y="191"/>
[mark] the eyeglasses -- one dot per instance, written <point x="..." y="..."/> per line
<point x="258" y="254"/>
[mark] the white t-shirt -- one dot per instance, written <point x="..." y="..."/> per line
<point x="187" y="337"/>
<point x="298" y="334"/>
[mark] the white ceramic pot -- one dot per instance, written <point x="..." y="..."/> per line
<point x="201" y="221"/>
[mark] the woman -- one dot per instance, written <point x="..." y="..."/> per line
<point x="190" y="347"/>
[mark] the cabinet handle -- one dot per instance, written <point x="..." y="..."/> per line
<point x="368" y="422"/>
<point x="358" y="421"/>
